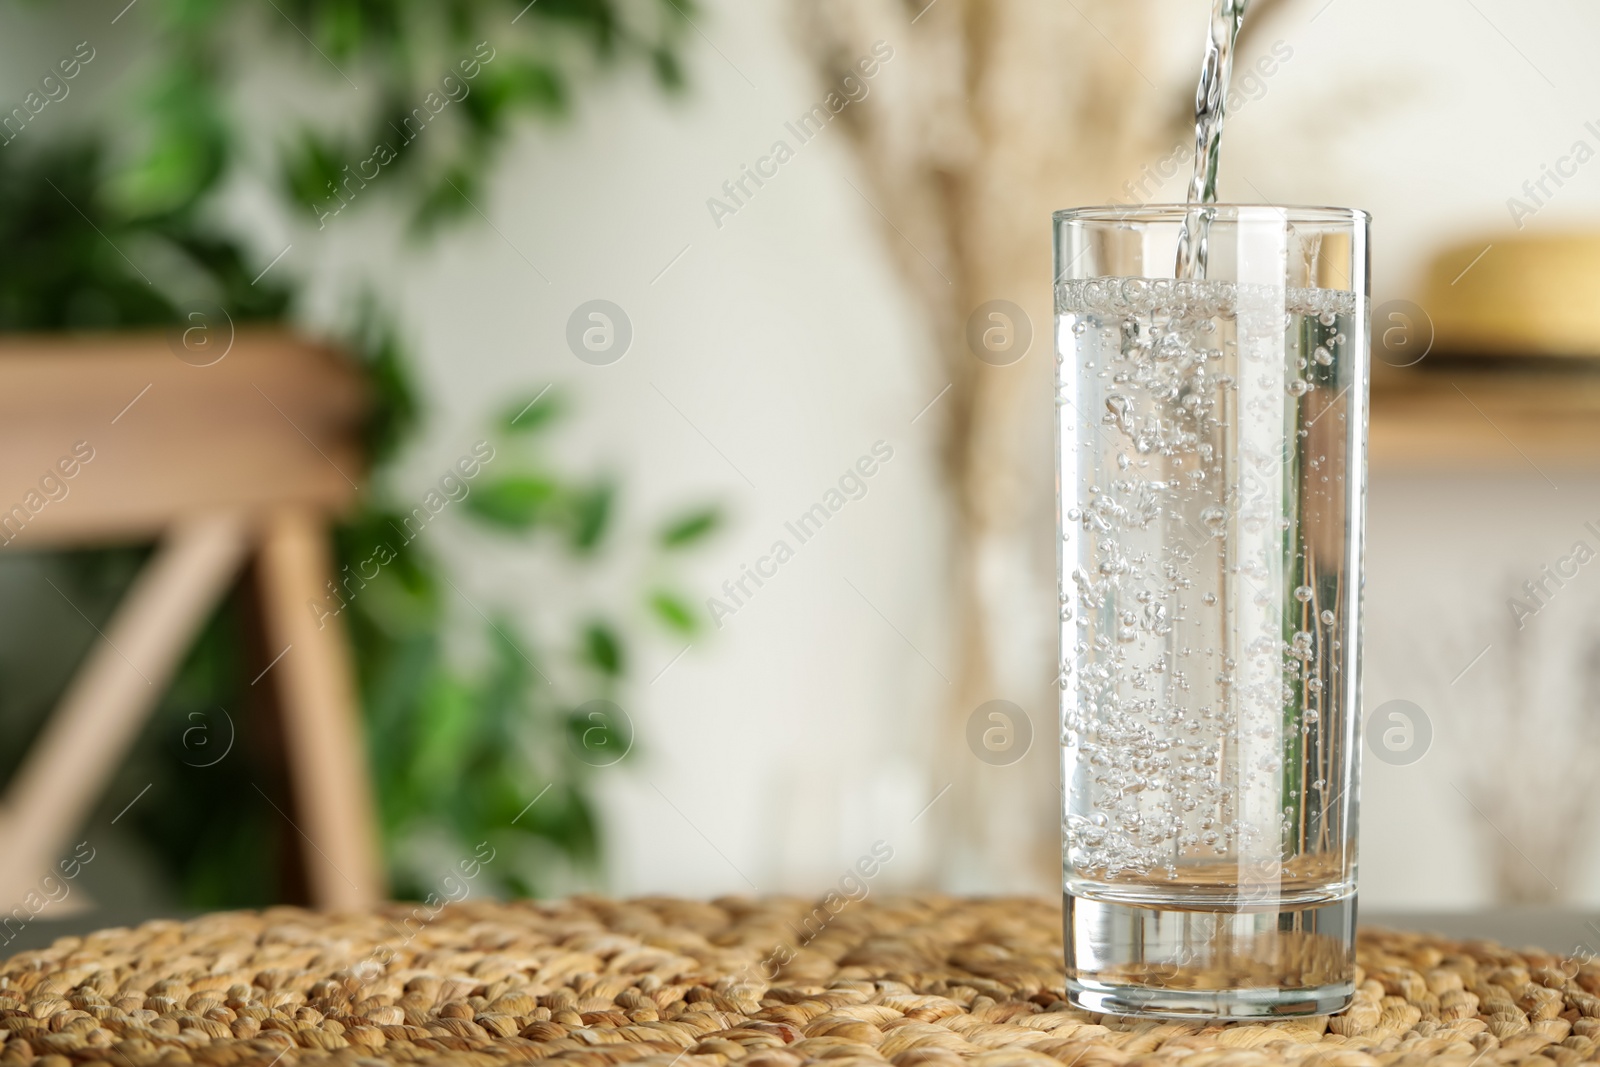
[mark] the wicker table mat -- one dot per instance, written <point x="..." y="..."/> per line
<point x="921" y="982"/>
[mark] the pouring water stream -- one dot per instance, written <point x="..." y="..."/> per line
<point x="1210" y="110"/>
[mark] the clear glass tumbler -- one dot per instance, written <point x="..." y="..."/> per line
<point x="1212" y="470"/>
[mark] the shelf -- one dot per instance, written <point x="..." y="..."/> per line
<point x="1472" y="416"/>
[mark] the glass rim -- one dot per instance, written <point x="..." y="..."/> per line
<point x="1296" y="213"/>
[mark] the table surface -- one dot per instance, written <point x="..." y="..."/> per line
<point x="1565" y="930"/>
<point x="925" y="981"/>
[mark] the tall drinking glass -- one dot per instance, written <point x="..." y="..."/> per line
<point x="1212" y="468"/>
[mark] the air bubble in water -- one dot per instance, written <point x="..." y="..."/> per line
<point x="1150" y="703"/>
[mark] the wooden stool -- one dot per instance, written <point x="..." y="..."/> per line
<point x="107" y="439"/>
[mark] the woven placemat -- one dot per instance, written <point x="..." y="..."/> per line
<point x="920" y="982"/>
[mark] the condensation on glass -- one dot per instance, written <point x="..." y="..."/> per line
<point x="1211" y="449"/>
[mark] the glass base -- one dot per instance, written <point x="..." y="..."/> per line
<point x="1227" y="1004"/>
<point x="1216" y="958"/>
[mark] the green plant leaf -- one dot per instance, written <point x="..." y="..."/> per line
<point x="671" y="609"/>
<point x="535" y="413"/>
<point x="445" y="721"/>
<point x="449" y="197"/>
<point x="564" y="816"/>
<point x="507" y="692"/>
<point x="311" y="171"/>
<point x="396" y="412"/>
<point x="185" y="144"/>
<point x="521" y="84"/>
<point x="591" y="515"/>
<point x="515" y="501"/>
<point x="602" y="648"/>
<point x="687" y="529"/>
<point x="668" y="70"/>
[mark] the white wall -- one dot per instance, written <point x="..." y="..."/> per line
<point x="1500" y="688"/>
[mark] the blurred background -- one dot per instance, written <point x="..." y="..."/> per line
<point x="549" y="323"/>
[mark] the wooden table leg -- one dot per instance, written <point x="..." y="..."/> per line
<point x="321" y="714"/>
<point x="112" y="693"/>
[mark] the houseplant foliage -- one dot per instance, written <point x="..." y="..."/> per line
<point x="461" y="743"/>
<point x="504" y="752"/>
<point x="400" y="53"/>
